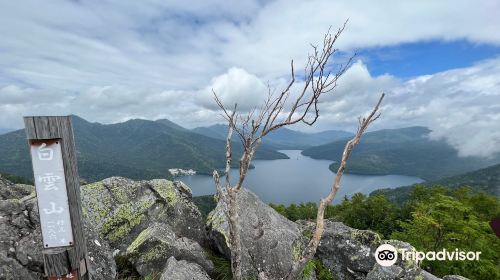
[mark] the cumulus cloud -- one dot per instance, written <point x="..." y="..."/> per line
<point x="110" y="61"/>
<point x="461" y="106"/>
<point x="236" y="86"/>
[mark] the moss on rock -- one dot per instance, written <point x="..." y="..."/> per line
<point x="166" y="190"/>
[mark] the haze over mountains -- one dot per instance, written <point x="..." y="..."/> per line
<point x="144" y="149"/>
<point x="404" y="151"/>
<point x="5" y="130"/>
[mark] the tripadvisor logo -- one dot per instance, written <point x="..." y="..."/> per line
<point x="387" y="255"/>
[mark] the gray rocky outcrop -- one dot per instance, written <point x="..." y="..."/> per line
<point x="349" y="254"/>
<point x="103" y="265"/>
<point x="347" y="251"/>
<point x="121" y="209"/>
<point x="454" y="277"/>
<point x="20" y="238"/>
<point x="183" y="270"/>
<point x="158" y="243"/>
<point x="155" y="225"/>
<point x="270" y="242"/>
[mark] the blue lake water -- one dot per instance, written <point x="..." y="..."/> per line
<point x="298" y="179"/>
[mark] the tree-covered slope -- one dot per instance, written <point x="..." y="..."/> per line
<point x="405" y="151"/>
<point x="283" y="138"/>
<point x="485" y="180"/>
<point x="137" y="149"/>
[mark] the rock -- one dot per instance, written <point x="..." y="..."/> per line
<point x="20" y="239"/>
<point x="29" y="251"/>
<point x="454" y="277"/>
<point x="9" y="190"/>
<point x="183" y="270"/>
<point x="121" y="209"/>
<point x="311" y="276"/>
<point x="350" y="254"/>
<point x="345" y="251"/>
<point x="21" y="242"/>
<point x="158" y="243"/>
<point x="271" y="243"/>
<point x="11" y="269"/>
<point x="384" y="272"/>
<point x="410" y="269"/>
<point x="394" y="272"/>
<point x="102" y="263"/>
<point x="427" y="276"/>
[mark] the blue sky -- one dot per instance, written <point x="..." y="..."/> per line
<point x="113" y="60"/>
<point x="422" y="58"/>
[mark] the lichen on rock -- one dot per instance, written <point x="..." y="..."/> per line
<point x="152" y="248"/>
<point x="21" y="240"/>
<point x="121" y="209"/>
<point x="183" y="270"/>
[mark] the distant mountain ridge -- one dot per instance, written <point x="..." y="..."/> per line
<point x="485" y="180"/>
<point x="404" y="151"/>
<point x="138" y="149"/>
<point x="5" y="130"/>
<point x="283" y="138"/>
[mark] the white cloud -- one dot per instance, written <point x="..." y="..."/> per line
<point x="109" y="61"/>
<point x="461" y="106"/>
<point x="236" y="86"/>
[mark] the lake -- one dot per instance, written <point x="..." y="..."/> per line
<point x="298" y="179"/>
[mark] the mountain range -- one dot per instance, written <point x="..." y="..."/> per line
<point x="404" y="151"/>
<point x="283" y="138"/>
<point x="485" y="180"/>
<point x="144" y="149"/>
<point x="5" y="130"/>
<point x="138" y="149"/>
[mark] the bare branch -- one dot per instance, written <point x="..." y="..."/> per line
<point x="228" y="147"/>
<point x="276" y="112"/>
<point x="312" y="246"/>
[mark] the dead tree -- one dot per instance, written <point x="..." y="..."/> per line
<point x="311" y="248"/>
<point x="279" y="110"/>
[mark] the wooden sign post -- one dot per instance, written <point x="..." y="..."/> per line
<point x="57" y="185"/>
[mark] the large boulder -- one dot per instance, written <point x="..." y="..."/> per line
<point x="347" y="252"/>
<point x="350" y="254"/>
<point x="158" y="243"/>
<point x="270" y="242"/>
<point x="183" y="270"/>
<point x="121" y="209"/>
<point x="102" y="263"/>
<point x="20" y="238"/>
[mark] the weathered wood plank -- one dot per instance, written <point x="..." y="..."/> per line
<point x="63" y="260"/>
<point x="56" y="261"/>
<point x="30" y="129"/>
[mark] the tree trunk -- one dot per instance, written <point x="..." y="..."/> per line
<point x="234" y="235"/>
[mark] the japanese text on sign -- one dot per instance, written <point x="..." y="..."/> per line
<point x="51" y="192"/>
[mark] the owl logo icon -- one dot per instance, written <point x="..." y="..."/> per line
<point x="386" y="255"/>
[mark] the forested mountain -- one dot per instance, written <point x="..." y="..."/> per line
<point x="405" y="151"/>
<point x="5" y="130"/>
<point x="138" y="149"/>
<point x="283" y="138"/>
<point x="486" y="179"/>
<point x="483" y="180"/>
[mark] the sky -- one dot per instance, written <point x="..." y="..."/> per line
<point x="110" y="61"/>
